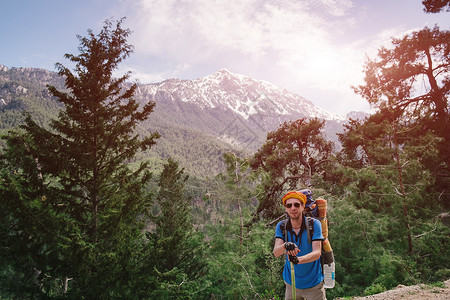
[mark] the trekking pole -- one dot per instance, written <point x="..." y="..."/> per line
<point x="293" y="280"/>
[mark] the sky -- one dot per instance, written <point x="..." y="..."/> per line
<point x="314" y="48"/>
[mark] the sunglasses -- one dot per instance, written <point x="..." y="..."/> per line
<point x="296" y="204"/>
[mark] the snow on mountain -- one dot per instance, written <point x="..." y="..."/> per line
<point x="357" y="115"/>
<point x="228" y="109"/>
<point x="241" y="94"/>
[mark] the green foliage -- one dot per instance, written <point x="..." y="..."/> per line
<point x="24" y="90"/>
<point x="291" y="156"/>
<point x="367" y="250"/>
<point x="240" y="259"/>
<point x="389" y="178"/>
<point x="73" y="207"/>
<point x="78" y="205"/>
<point x="199" y="153"/>
<point x="251" y="273"/>
<point x="390" y="81"/>
<point x="419" y="58"/>
<point x="436" y="6"/>
<point x="386" y="222"/>
<point x="374" y="289"/>
<point x="368" y="225"/>
<point x="432" y="250"/>
<point x="177" y="260"/>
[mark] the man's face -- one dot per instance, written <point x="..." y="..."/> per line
<point x="294" y="208"/>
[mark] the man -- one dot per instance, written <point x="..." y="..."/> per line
<point x="305" y="255"/>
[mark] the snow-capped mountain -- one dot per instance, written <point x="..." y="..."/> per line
<point x="231" y="109"/>
<point x="235" y="108"/>
<point x="237" y="93"/>
<point x="198" y="120"/>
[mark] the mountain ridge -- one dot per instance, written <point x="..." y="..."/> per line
<point x="198" y="119"/>
<point x="259" y="90"/>
<point x="214" y="90"/>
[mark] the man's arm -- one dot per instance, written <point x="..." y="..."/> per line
<point x="313" y="255"/>
<point x="278" y="248"/>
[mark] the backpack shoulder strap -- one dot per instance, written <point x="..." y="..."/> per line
<point x="283" y="228"/>
<point x="309" y="228"/>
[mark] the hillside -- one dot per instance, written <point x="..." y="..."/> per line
<point x="199" y="120"/>
<point x="24" y="89"/>
<point x="415" y="292"/>
<point x="234" y="108"/>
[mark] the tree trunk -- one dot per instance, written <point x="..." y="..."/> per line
<point x="236" y="169"/>
<point x="403" y="194"/>
<point x="66" y="284"/>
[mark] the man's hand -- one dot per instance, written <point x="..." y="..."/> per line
<point x="289" y="246"/>
<point x="293" y="259"/>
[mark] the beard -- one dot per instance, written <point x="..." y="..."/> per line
<point x="296" y="216"/>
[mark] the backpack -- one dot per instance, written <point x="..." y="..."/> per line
<point x="315" y="209"/>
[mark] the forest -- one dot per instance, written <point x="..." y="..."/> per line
<point x="84" y="216"/>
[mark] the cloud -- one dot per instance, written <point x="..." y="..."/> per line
<point x="146" y="77"/>
<point x="196" y="30"/>
<point x="336" y="8"/>
<point x="292" y="43"/>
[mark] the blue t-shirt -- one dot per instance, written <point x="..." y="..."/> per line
<point x="309" y="274"/>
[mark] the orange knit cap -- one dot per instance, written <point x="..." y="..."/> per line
<point x="294" y="194"/>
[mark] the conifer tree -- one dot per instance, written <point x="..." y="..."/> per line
<point x="73" y="203"/>
<point x="173" y="223"/>
<point x="392" y="81"/>
<point x="238" y="179"/>
<point x="178" y="253"/>
<point x="291" y="156"/>
<point x="436" y="6"/>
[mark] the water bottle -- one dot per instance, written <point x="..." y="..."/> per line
<point x="328" y="275"/>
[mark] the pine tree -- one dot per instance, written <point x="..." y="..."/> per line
<point x="291" y="156"/>
<point x="436" y="6"/>
<point x="173" y="223"/>
<point x="74" y="205"/>
<point x="178" y="252"/>
<point x="421" y="58"/>
<point x="238" y="179"/>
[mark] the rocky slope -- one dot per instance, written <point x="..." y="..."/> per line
<point x="238" y="93"/>
<point x="235" y="108"/>
<point x="415" y="292"/>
